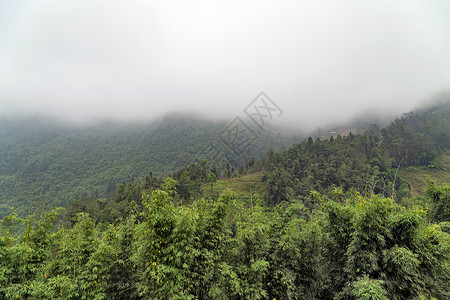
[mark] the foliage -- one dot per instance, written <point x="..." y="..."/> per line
<point x="54" y="163"/>
<point x="233" y="247"/>
<point x="368" y="162"/>
<point x="440" y="198"/>
<point x="329" y="226"/>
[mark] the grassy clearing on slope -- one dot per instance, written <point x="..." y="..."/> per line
<point x="417" y="176"/>
<point x="246" y="184"/>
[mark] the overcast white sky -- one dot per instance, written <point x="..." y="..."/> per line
<point x="320" y="61"/>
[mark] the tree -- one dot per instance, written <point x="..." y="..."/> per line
<point x="212" y="179"/>
<point x="440" y="198"/>
<point x="228" y="170"/>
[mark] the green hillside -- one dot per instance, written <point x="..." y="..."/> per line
<point x="245" y="184"/>
<point x="48" y="162"/>
<point x="321" y="219"/>
<point x="418" y="176"/>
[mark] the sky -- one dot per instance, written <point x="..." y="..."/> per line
<point x="318" y="61"/>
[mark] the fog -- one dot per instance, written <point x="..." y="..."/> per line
<point x="320" y="62"/>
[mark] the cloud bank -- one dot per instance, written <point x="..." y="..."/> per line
<point x="320" y="61"/>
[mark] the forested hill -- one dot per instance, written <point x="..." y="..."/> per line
<point x="380" y="161"/>
<point x="337" y="231"/>
<point x="333" y="225"/>
<point x="368" y="163"/>
<point x="49" y="162"/>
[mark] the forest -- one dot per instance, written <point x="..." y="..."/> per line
<point x="331" y="219"/>
<point x="47" y="161"/>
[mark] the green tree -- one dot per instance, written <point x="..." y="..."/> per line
<point x="211" y="180"/>
<point x="440" y="198"/>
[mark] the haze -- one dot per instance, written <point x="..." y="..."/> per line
<point x="319" y="61"/>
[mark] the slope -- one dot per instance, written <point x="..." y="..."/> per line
<point x="45" y="162"/>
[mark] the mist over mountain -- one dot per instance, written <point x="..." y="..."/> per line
<point x="41" y="157"/>
<point x="111" y="194"/>
<point x="211" y="149"/>
<point x="85" y="61"/>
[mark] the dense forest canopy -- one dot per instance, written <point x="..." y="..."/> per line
<point x="367" y="162"/>
<point x="327" y="219"/>
<point x="346" y="246"/>
<point x="45" y="161"/>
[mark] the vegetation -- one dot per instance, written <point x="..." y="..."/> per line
<point x="50" y="163"/>
<point x="347" y="247"/>
<point x="323" y="219"/>
<point x="369" y="162"/>
<point x="418" y="176"/>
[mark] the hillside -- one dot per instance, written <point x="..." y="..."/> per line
<point x="246" y="184"/>
<point x="48" y="162"/>
<point x="418" y="176"/>
<point x="45" y="162"/>
<point x="375" y="162"/>
<point x="394" y="162"/>
<point x="326" y="219"/>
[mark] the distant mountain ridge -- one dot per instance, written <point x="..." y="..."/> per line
<point x="50" y="162"/>
<point x="47" y="162"/>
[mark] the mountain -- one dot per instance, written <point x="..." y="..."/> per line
<point x="334" y="223"/>
<point x="49" y="162"/>
<point x="368" y="163"/>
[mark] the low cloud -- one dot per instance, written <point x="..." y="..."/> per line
<point x="136" y="60"/>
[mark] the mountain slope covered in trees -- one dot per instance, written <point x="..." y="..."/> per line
<point x="368" y="163"/>
<point x="321" y="219"/>
<point x="48" y="162"/>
